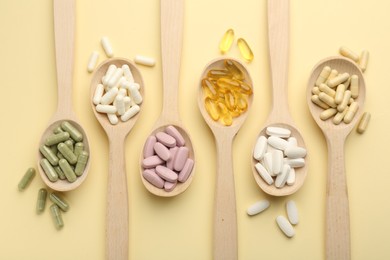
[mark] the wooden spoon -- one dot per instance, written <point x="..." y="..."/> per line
<point x="337" y="211"/>
<point x="225" y="216"/>
<point x="278" y="34"/>
<point x="172" y="14"/>
<point x="117" y="218"/>
<point x="64" y="23"/>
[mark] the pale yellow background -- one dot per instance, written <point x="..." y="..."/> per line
<point x="181" y="228"/>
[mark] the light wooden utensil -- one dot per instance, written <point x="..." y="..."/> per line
<point x="117" y="218"/>
<point x="225" y="216"/>
<point x="337" y="209"/>
<point x="278" y="37"/>
<point x="172" y="15"/>
<point x="64" y="23"/>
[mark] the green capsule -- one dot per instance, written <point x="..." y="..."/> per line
<point x="60" y="173"/>
<point x="41" y="201"/>
<point x="57" y="138"/>
<point x="60" y="156"/>
<point x="49" y="170"/>
<point x="67" y="153"/>
<point x="54" y="149"/>
<point x="68" y="171"/>
<point x="81" y="163"/>
<point x="78" y="147"/>
<point x="60" y="202"/>
<point x="27" y="178"/>
<point x="56" y="215"/>
<point x="49" y="155"/>
<point x="57" y="130"/>
<point x="70" y="144"/>
<point x="74" y="133"/>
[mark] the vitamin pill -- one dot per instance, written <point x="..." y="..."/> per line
<point x="120" y="105"/>
<point x="127" y="73"/>
<point x="60" y="202"/>
<point x="166" y="174"/>
<point x="353" y="108"/>
<point x="364" y="60"/>
<point x="277" y="142"/>
<point x="292" y="141"/>
<point x="41" y="201"/>
<point x="260" y="148"/>
<point x="81" y="163"/>
<point x="257" y="207"/>
<point x="338" y="80"/>
<point x="162" y="151"/>
<point x="149" y="146"/>
<point x="180" y="158"/>
<point x="295" y="163"/>
<point x="294" y="152"/>
<point x="226" y="41"/>
<point x="54" y="149"/>
<point x="339" y="94"/>
<point x="278" y="131"/>
<point x="339" y="117"/>
<point x="108" y="74"/>
<point x="26" y="179"/>
<point x="281" y="179"/>
<point x="98" y="94"/>
<point x="346" y="52"/>
<point x="74" y="133"/>
<point x="267" y="163"/>
<point x="127" y="102"/>
<point x="354" y="86"/>
<point x="226" y="119"/>
<point x="209" y="89"/>
<point x="151" y="161"/>
<point x="60" y="173"/>
<point x="107" y="47"/>
<point x="109" y="96"/>
<point x="245" y="50"/>
<point x="169" y="186"/>
<point x="315" y="90"/>
<point x="291" y="177"/>
<point x="112" y="118"/>
<point x="135" y="94"/>
<point x="57" y="130"/>
<point x="153" y="178"/>
<point x="67" y="170"/>
<point x="143" y="60"/>
<point x="316" y="100"/>
<point x="332" y="74"/>
<point x="344" y="103"/>
<point x="92" y="61"/>
<point x="78" y="147"/>
<point x="173" y="152"/>
<point x="60" y="156"/>
<point x="130" y="113"/>
<point x="114" y="79"/>
<point x="219" y="73"/>
<point x="327" y="99"/>
<point x="56" y="215"/>
<point x="323" y="75"/>
<point x="292" y="212"/>
<point x="326" y="114"/>
<point x="363" y="123"/>
<point x="327" y="90"/>
<point x="277" y="161"/>
<point x="172" y="131"/>
<point x="166" y="139"/>
<point x="285" y="226"/>
<point x="211" y="109"/>
<point x="57" y="138"/>
<point x="264" y="173"/>
<point x="186" y="171"/>
<point x="234" y="70"/>
<point x="49" y="155"/>
<point x="70" y="144"/>
<point x="49" y="170"/>
<point x="108" y="109"/>
<point x="67" y="153"/>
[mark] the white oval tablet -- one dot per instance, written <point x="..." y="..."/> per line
<point x="277" y="142"/>
<point x="292" y="212"/>
<point x="278" y="131"/>
<point x="264" y="174"/>
<point x="295" y="152"/>
<point x="260" y="148"/>
<point x="285" y="226"/>
<point x="281" y="179"/>
<point x="257" y="207"/>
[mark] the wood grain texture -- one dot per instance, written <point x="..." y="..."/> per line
<point x="338" y="245"/>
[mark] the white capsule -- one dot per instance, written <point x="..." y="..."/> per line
<point x="277" y="142"/>
<point x="127" y="72"/>
<point x="116" y="76"/>
<point x="281" y="179"/>
<point x="113" y="119"/>
<point x="291" y="177"/>
<point x="108" y="74"/>
<point x="108" y="109"/>
<point x="122" y="92"/>
<point x="295" y="163"/>
<point x="364" y="60"/>
<point x="278" y="131"/>
<point x="98" y="94"/>
<point x="109" y="97"/>
<point x="120" y="105"/>
<point x="143" y="60"/>
<point x="285" y="226"/>
<point x="127" y="102"/>
<point x="130" y="113"/>
<point x="295" y="152"/>
<point x="264" y="173"/>
<point x="120" y="82"/>
<point x="260" y="148"/>
<point x="277" y="161"/>
<point x="135" y="94"/>
<point x="107" y="47"/>
<point x="257" y="207"/>
<point x="92" y="61"/>
<point x="267" y="163"/>
<point x="292" y="212"/>
<point x="292" y="141"/>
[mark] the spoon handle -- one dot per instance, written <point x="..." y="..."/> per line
<point x="172" y="16"/>
<point x="225" y="216"/>
<point x="337" y="209"/>
<point x="278" y="36"/>
<point x="64" y="24"/>
<point x="117" y="233"/>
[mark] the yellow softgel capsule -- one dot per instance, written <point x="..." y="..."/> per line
<point x="209" y="89"/>
<point x="230" y="101"/>
<point x="234" y="70"/>
<point x="227" y="119"/>
<point x="219" y="73"/>
<point x="245" y="50"/>
<point x="226" y="41"/>
<point x="245" y="88"/>
<point x="211" y="108"/>
<point x="226" y="84"/>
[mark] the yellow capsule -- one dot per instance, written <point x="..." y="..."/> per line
<point x="245" y="88"/>
<point x="226" y="41"/>
<point x="222" y="109"/>
<point x="234" y="70"/>
<point x="230" y="101"/>
<point x="219" y="73"/>
<point x="227" y="119"/>
<point x="226" y="84"/>
<point x="242" y="104"/>
<point x="245" y="50"/>
<point x="209" y="89"/>
<point x="363" y="123"/>
<point x="236" y="112"/>
<point x="211" y="108"/>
